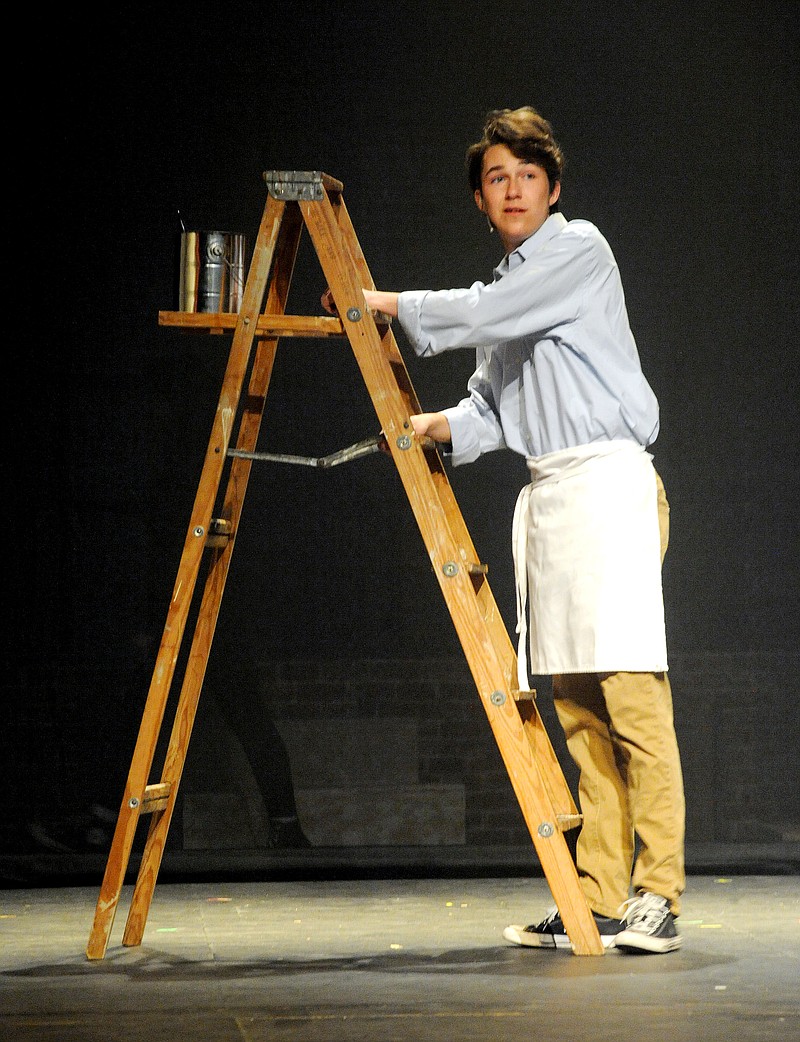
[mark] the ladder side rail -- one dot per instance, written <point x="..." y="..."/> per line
<point x="545" y="755"/>
<point x="249" y="427"/>
<point x="183" y="591"/>
<point x="553" y="776"/>
<point x="389" y="345"/>
<point x="451" y="570"/>
<point x="433" y="458"/>
<point x="161" y="682"/>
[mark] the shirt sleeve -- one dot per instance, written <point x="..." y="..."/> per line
<point x="474" y="424"/>
<point x="543" y="292"/>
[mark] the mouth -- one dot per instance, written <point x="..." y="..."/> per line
<point x="513" y="210"/>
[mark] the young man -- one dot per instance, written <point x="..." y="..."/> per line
<point x="558" y="380"/>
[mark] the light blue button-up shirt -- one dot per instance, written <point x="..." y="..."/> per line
<point x="557" y="364"/>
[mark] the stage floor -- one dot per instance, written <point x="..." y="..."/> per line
<point x="380" y="960"/>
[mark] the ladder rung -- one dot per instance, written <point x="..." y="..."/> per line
<point x="219" y="532"/>
<point x="524" y="696"/>
<point x="155" y="797"/>
<point x="568" y="821"/>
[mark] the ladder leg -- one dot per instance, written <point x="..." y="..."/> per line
<point x="285" y="255"/>
<point x="176" y="752"/>
<point x="193" y="679"/>
<point x="144" y="752"/>
<point x="549" y="767"/>
<point x="183" y="590"/>
<point x="122" y="841"/>
<point x="543" y="752"/>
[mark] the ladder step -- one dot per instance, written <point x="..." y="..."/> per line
<point x="219" y="532"/>
<point x="266" y="325"/>
<point x="155" y="797"/>
<point x="569" y="821"/>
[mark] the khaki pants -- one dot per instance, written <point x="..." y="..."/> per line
<point x="620" y="732"/>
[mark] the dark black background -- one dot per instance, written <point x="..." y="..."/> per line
<point x="680" y="124"/>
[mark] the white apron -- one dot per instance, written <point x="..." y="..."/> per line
<point x="587" y="560"/>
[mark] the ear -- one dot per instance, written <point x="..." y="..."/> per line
<point x="555" y="194"/>
<point x="478" y="197"/>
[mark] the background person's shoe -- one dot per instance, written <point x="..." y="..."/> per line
<point x="286" y="832"/>
<point x="648" y="926"/>
<point x="551" y="932"/>
<point x="85" y="831"/>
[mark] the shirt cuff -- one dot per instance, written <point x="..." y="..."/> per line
<point x="409" y="307"/>
<point x="463" y="436"/>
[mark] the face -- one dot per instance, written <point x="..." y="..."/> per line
<point x="514" y="194"/>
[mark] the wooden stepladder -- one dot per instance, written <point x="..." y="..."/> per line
<point x="313" y="200"/>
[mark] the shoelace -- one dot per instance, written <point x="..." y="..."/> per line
<point x="551" y="916"/>
<point x="646" y="911"/>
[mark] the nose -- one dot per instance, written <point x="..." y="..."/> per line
<point x="513" y="188"/>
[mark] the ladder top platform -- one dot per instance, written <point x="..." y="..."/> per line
<point x="297" y="185"/>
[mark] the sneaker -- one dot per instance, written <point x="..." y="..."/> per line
<point x="649" y="926"/>
<point x="551" y="932"/>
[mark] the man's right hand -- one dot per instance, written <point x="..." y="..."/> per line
<point x="327" y="302"/>
<point x="433" y="425"/>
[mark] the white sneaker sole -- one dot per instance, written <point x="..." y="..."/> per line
<point x="519" y="935"/>
<point x="633" y="941"/>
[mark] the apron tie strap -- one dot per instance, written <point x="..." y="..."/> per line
<point x="519" y="547"/>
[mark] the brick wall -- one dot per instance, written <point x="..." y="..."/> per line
<point x="736" y="719"/>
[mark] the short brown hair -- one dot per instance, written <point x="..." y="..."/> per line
<point x="526" y="134"/>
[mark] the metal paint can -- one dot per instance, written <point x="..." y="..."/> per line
<point x="211" y="272"/>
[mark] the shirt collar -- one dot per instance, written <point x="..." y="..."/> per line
<point x="555" y="223"/>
